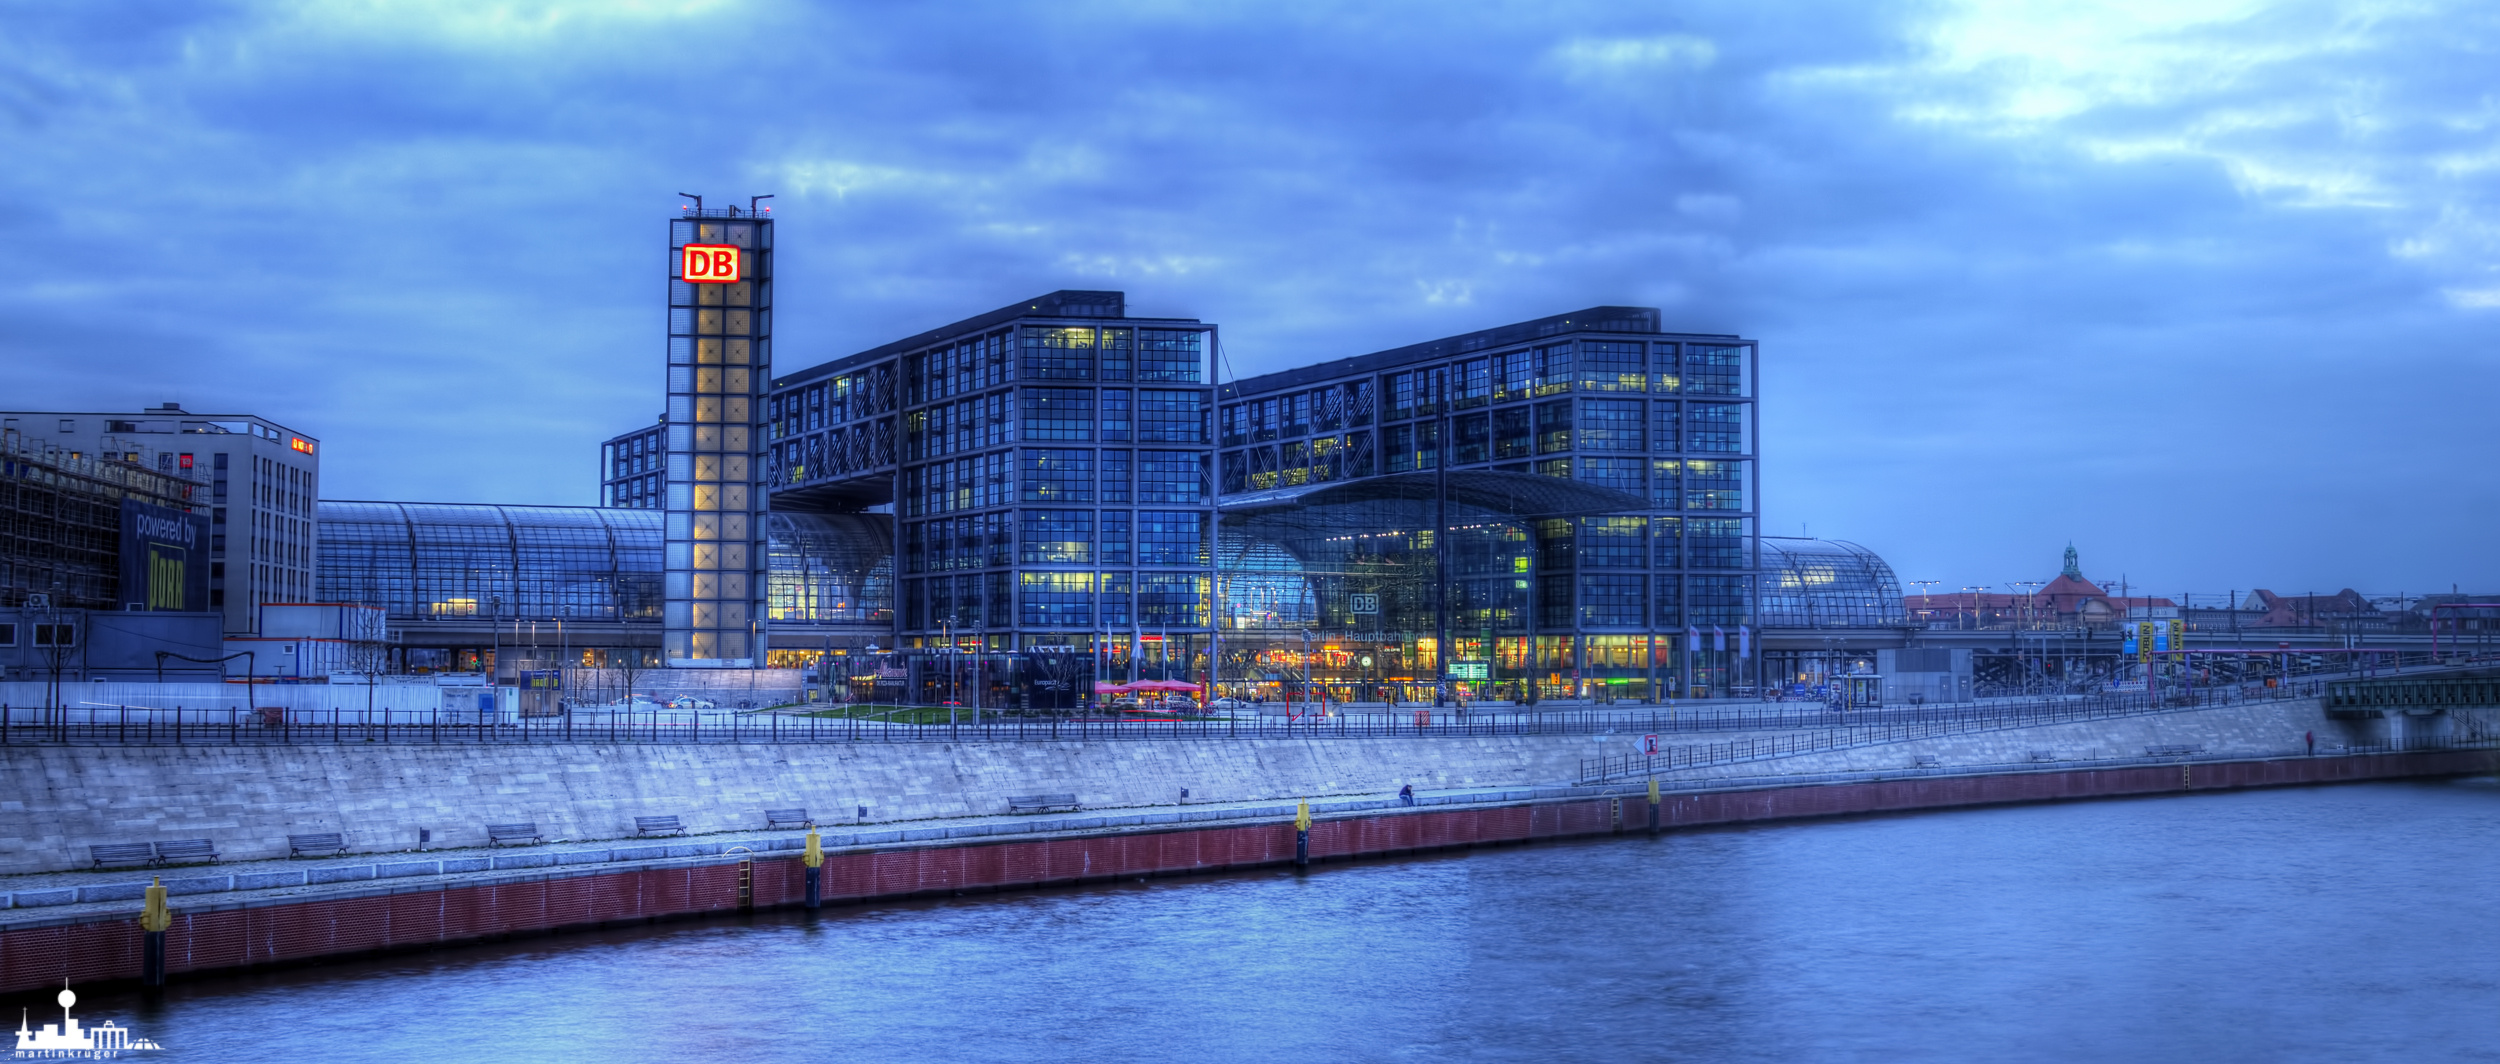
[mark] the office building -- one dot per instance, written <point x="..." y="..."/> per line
<point x="633" y="471"/>
<point x="260" y="479"/>
<point x="1045" y="470"/>
<point x="1566" y="504"/>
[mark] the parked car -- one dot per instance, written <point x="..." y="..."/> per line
<point x="691" y="702"/>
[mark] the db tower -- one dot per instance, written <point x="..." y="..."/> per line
<point x="719" y="362"/>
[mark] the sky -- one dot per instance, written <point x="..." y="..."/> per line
<point x="2210" y="290"/>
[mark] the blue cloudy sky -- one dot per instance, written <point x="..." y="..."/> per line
<point x="2210" y="288"/>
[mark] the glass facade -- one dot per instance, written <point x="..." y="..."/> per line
<point x="1827" y="583"/>
<point x="633" y="469"/>
<point x="437" y="568"/>
<point x="1045" y="469"/>
<point x="719" y="363"/>
<point x="1653" y="594"/>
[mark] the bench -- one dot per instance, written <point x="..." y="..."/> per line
<point x="299" y="845"/>
<point x="122" y="853"/>
<point x="787" y="818"/>
<point x="658" y="825"/>
<point x="186" y="850"/>
<point x="498" y="834"/>
<point x="1039" y="803"/>
<point x="1928" y="761"/>
<point x="2044" y="755"/>
<point x="2173" y="750"/>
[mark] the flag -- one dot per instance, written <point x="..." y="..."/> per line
<point x="1744" y="641"/>
<point x="1692" y="639"/>
<point x="1718" y="638"/>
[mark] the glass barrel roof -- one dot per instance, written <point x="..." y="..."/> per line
<point x="1827" y="583"/>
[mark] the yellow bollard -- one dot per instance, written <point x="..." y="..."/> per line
<point x="815" y="862"/>
<point x="153" y="920"/>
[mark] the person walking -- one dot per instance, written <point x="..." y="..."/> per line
<point x="2312" y="738"/>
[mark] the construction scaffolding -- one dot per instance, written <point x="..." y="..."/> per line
<point x="60" y="520"/>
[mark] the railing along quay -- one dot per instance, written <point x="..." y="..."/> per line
<point x="1670" y="759"/>
<point x="93" y="725"/>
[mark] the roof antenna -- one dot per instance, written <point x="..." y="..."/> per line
<point x="698" y="203"/>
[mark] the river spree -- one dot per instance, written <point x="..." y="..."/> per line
<point x="2336" y="923"/>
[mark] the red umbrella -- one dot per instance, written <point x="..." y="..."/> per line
<point x="1163" y="685"/>
<point x="1102" y="688"/>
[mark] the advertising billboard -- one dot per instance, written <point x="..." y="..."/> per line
<point x="709" y="264"/>
<point x="164" y="559"/>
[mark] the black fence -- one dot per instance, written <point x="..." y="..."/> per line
<point x="1923" y="722"/>
<point x="107" y="725"/>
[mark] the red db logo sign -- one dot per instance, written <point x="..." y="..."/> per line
<point x="709" y="264"/>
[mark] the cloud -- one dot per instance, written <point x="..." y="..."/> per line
<point x="2116" y="272"/>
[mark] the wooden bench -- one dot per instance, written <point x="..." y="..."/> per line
<point x="1928" y="761"/>
<point x="2173" y="750"/>
<point x="498" y="834"/>
<point x="122" y="853"/>
<point x="299" y="845"/>
<point x="787" y="818"/>
<point x="658" y="825"/>
<point x="2044" y="755"/>
<point x="186" y="850"/>
<point x="1040" y="803"/>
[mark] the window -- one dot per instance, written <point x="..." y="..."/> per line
<point x="1714" y="370"/>
<point x="1115" y="415"/>
<point x="1113" y="543"/>
<point x="1173" y="600"/>
<point x="1553" y="601"/>
<point x="1713" y="485"/>
<point x="1058" y="537"/>
<point x="8" y="635"/>
<point x="1611" y="366"/>
<point x="1514" y="375"/>
<point x="1663" y="421"/>
<point x="1553" y="369"/>
<point x="1611" y="599"/>
<point x="1475" y="439"/>
<point x="1169" y="355"/>
<point x="1610" y="425"/>
<point x="1614" y="543"/>
<point x="56" y="635"/>
<point x="1620" y="474"/>
<point x="1716" y="427"/>
<point x="1115" y="476"/>
<point x="1053" y="474"/>
<point x="1416" y="446"/>
<point x="1171" y="538"/>
<point x="1236" y="425"/>
<point x="1059" y="413"/>
<point x="1666" y="477"/>
<point x="1403" y="388"/>
<point x="1114" y="606"/>
<point x="1553" y="427"/>
<point x="1511" y="437"/>
<point x="1473" y="384"/>
<point x="1666" y="537"/>
<point x="1716" y="600"/>
<point x="1171" y="416"/>
<point x="1117" y="354"/>
<point x="1666" y="607"/>
<point x="1170" y="477"/>
<point x="1057" y="600"/>
<point x="1058" y="353"/>
<point x="1714" y="543"/>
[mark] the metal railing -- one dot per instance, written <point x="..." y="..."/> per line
<point x="1952" y="720"/>
<point x="134" y="725"/>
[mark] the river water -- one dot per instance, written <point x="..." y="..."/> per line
<point x="2356" y="922"/>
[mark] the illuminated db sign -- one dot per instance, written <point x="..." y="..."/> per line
<point x="300" y="444"/>
<point x="710" y="264"/>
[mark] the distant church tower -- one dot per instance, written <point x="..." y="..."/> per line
<point x="2074" y="567"/>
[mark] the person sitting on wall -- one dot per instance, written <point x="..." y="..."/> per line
<point x="1406" y="794"/>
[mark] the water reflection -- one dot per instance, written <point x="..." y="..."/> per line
<point x="2317" y="924"/>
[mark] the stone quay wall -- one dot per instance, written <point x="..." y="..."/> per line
<point x="57" y="801"/>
